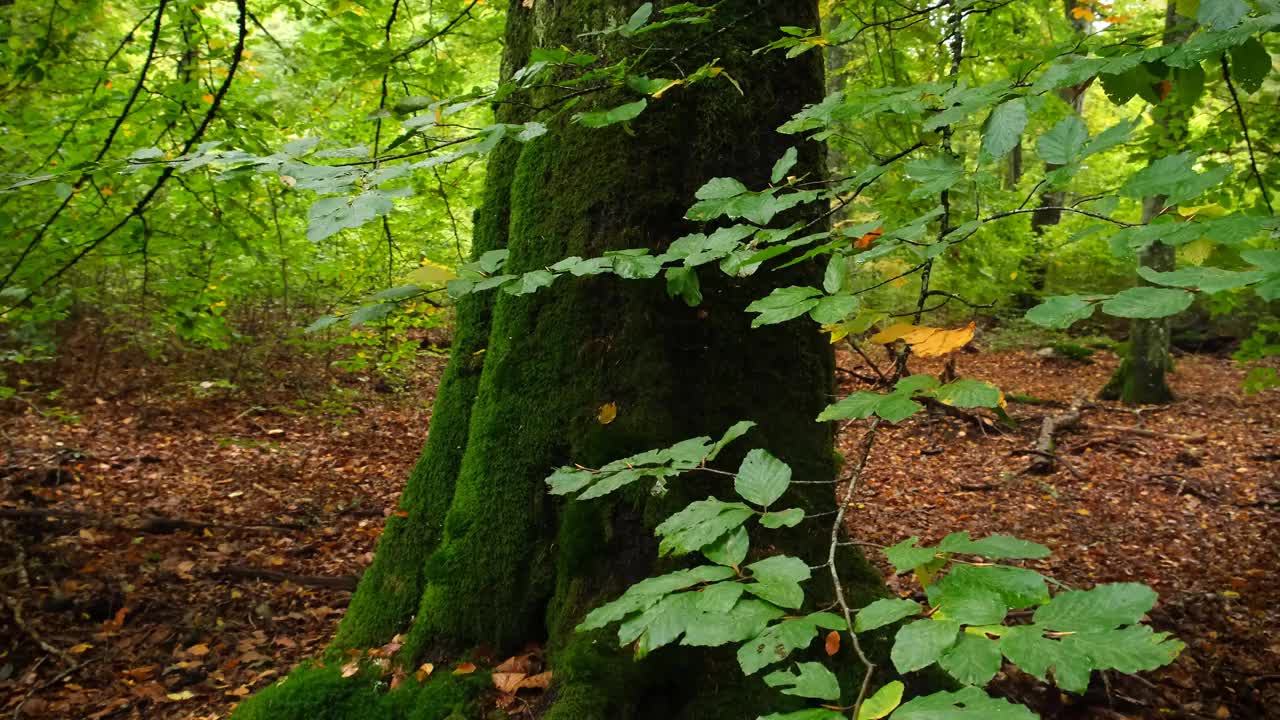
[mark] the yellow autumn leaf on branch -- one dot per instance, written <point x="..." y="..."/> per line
<point x="926" y="341"/>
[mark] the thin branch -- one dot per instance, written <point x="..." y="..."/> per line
<point x="195" y="138"/>
<point x="106" y="146"/>
<point x="1244" y="126"/>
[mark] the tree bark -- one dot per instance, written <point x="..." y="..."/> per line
<point x="481" y="555"/>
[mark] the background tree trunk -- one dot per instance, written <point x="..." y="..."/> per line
<point x="1140" y="379"/>
<point x="482" y="555"/>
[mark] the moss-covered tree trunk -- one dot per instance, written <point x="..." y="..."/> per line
<point x="482" y="555"/>
<point x="1140" y="379"/>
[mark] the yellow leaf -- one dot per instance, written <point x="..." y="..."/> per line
<point x="1197" y="251"/>
<point x="430" y="275"/>
<point x="658" y="95"/>
<point x="78" y="649"/>
<point x="926" y="341"/>
<point x="424" y="671"/>
<point x="184" y="695"/>
<point x="198" y="650"/>
<point x="207" y="98"/>
<point x="607" y="413"/>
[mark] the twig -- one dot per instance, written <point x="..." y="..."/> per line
<point x="868" y="666"/>
<point x="1046" y="443"/>
<point x="1244" y="126"/>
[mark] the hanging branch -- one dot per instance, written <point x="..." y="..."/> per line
<point x="1244" y="126"/>
<point x="415" y="47"/>
<point x="141" y="205"/>
<point x="106" y="146"/>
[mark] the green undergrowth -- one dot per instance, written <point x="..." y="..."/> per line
<point x="319" y="692"/>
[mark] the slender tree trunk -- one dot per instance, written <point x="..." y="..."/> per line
<point x="480" y="554"/>
<point x="1140" y="379"/>
<point x="1036" y="268"/>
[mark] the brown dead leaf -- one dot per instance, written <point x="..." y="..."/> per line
<point x="508" y="682"/>
<point x="541" y="681"/>
<point x="465" y="668"/>
<point x="198" y="650"/>
<point x="350" y="669"/>
<point x="515" y="664"/>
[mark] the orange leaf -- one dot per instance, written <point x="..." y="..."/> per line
<point x="865" y="241"/>
<point x="1080" y="12"/>
<point x="424" y="671"/>
<point x="198" y="650"/>
<point x="465" y="668"/>
<point x="833" y="643"/>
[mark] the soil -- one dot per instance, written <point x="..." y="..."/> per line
<point x="172" y="547"/>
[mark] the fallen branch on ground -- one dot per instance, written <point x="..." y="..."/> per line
<point x="1044" y="457"/>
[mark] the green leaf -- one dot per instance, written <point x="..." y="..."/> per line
<point x="934" y="174"/>
<point x="783" y="166"/>
<point x="1221" y="14"/>
<point x="966" y="393"/>
<point x="1064" y="142"/>
<point x="783" y="304"/>
<point x="782" y="518"/>
<point x="885" y="611"/>
<point x="530" y="282"/>
<point x="994" y="547"/>
<point x="968" y="703"/>
<point x="1250" y="64"/>
<point x="973" y="660"/>
<point x="735" y="431"/>
<point x="1111" y="137"/>
<point x="813" y="680"/>
<point x="322" y="323"/>
<point x="1207" y="279"/>
<point x="720" y="189"/>
<point x="860" y="404"/>
<point x="602" y="118"/>
<point x="638" y="18"/>
<point x="921" y="643"/>
<point x="778" y="641"/>
<point x="1102" y="608"/>
<point x="1062" y="311"/>
<point x="1018" y="587"/>
<point x="730" y="550"/>
<point x="720" y="597"/>
<point x="777" y="580"/>
<point x="649" y="591"/>
<point x="1128" y="650"/>
<point x="746" y="619"/>
<point x="1173" y="177"/>
<point x="1147" y="302"/>
<point x="905" y="556"/>
<point x="1003" y="128"/>
<point x="699" y="524"/>
<point x="915" y="384"/>
<point x="896" y="407"/>
<point x="834" y="308"/>
<point x="762" y="478"/>
<point x="883" y="702"/>
<point x="1268" y="260"/>
<point x="969" y="605"/>
<point x="682" y="282"/>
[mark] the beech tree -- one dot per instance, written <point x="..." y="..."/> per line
<point x="595" y="368"/>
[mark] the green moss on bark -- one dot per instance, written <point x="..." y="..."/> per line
<point x="321" y="693"/>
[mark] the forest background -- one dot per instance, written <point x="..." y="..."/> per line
<point x="232" y="199"/>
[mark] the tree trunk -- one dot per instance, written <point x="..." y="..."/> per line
<point x="481" y="555"/>
<point x="1140" y="379"/>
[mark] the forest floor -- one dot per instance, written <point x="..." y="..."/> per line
<point x="171" y="548"/>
